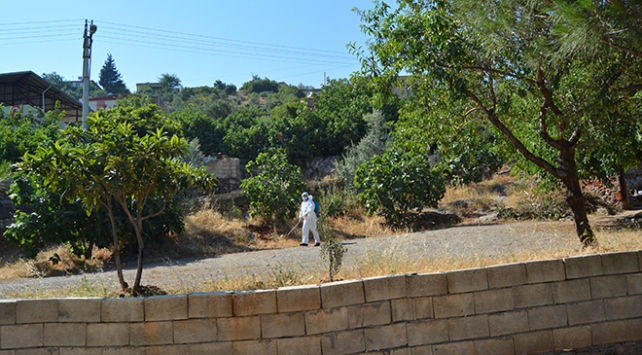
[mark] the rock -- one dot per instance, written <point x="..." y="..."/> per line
<point x="487" y="219"/>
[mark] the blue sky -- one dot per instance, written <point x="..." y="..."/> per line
<point x="199" y="41"/>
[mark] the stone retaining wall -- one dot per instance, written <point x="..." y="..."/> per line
<point x="521" y="308"/>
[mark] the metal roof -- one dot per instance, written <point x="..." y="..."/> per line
<point x="27" y="88"/>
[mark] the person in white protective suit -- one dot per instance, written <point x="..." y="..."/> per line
<point x="309" y="220"/>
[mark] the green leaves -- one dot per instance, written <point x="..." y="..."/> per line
<point x="274" y="190"/>
<point x="395" y="182"/>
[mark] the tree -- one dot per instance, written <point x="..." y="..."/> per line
<point x="110" y="77"/>
<point x="396" y="182"/>
<point x="109" y="165"/>
<point x="541" y="99"/>
<point x="274" y="190"/>
<point x="169" y="83"/>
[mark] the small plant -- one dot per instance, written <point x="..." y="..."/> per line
<point x="332" y="252"/>
<point x="281" y="277"/>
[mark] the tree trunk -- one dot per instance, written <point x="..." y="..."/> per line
<point x="141" y="248"/>
<point x="116" y="254"/>
<point x="624" y="190"/>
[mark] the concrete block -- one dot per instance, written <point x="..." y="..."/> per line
<point x="465" y="328"/>
<point x="194" y="331"/>
<point x="151" y="333"/>
<point x="36" y="311"/>
<point x="545" y="271"/>
<point x="386" y="337"/>
<point x="583" y="266"/>
<point x="620" y="263"/>
<point x="462" y="348"/>
<point x="282" y="325"/>
<point x="546" y="317"/>
<point x="623" y="307"/>
<point x="122" y="351"/>
<point x="608" y="286"/>
<point x="533" y="295"/>
<point x="251" y="303"/>
<point x="344" y="293"/>
<point x="238" y="328"/>
<point x="326" y="320"/>
<point x="7" y="312"/>
<point x="65" y="334"/>
<point x="166" y="350"/>
<point x="611" y="332"/>
<point x="507" y="275"/>
<point x="42" y="351"/>
<point x="421" y="350"/>
<point x="369" y="314"/>
<point x="454" y="305"/>
<point x="571" y="291"/>
<point x="164" y="308"/>
<point x="298" y="298"/>
<point x="84" y="351"/>
<point x="217" y="348"/>
<point x="122" y="310"/>
<point x="508" y="323"/>
<point x="402" y="309"/>
<point x="349" y="342"/>
<point x="572" y="338"/>
<point x="533" y="343"/>
<point x="634" y="284"/>
<point x="635" y="328"/>
<point x="422" y="308"/>
<point x="495" y="346"/>
<point x="426" y="285"/>
<point x="298" y="346"/>
<point x="263" y="347"/>
<point x="385" y="288"/>
<point x="210" y="304"/>
<point x="21" y="336"/>
<point x="77" y="310"/>
<point x="107" y="334"/>
<point x="467" y="281"/>
<point x="494" y="301"/>
<point x="586" y="312"/>
<point x="427" y="332"/>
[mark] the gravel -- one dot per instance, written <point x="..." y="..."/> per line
<point x="471" y="242"/>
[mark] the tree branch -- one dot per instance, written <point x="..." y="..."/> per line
<point x="514" y="140"/>
<point x="621" y="48"/>
<point x="543" y="129"/>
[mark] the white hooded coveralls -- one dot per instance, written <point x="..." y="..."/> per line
<point x="309" y="220"/>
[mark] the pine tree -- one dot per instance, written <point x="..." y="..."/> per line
<point x="110" y="77"/>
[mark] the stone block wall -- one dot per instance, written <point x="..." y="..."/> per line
<point x="523" y="308"/>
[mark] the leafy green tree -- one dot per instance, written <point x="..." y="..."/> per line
<point x="258" y="85"/>
<point x="169" y="82"/>
<point x="109" y="165"/>
<point x="298" y="131"/>
<point x="275" y="186"/>
<point x="396" y="182"/>
<point x="20" y="134"/>
<point x="70" y="89"/>
<point x="110" y="78"/>
<point x="197" y="125"/>
<point x="374" y="143"/>
<point x="542" y="99"/>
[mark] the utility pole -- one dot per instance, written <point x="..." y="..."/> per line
<point x="86" y="65"/>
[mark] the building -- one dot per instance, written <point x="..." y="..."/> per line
<point x="27" y="89"/>
<point x="104" y="102"/>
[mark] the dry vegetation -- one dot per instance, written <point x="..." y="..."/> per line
<point x="210" y="233"/>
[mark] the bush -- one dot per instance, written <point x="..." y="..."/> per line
<point x="395" y="182"/>
<point x="274" y="190"/>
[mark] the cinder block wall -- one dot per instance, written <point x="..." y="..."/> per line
<point x="522" y="308"/>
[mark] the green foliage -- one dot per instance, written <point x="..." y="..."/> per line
<point x="396" y="182"/>
<point x="110" y="78"/>
<point x="111" y="164"/>
<point x="258" y="85"/>
<point x="20" y="133"/>
<point x="274" y="190"/>
<point x="332" y="250"/>
<point x="373" y="143"/>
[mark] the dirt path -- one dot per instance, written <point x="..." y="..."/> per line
<point x="501" y="240"/>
